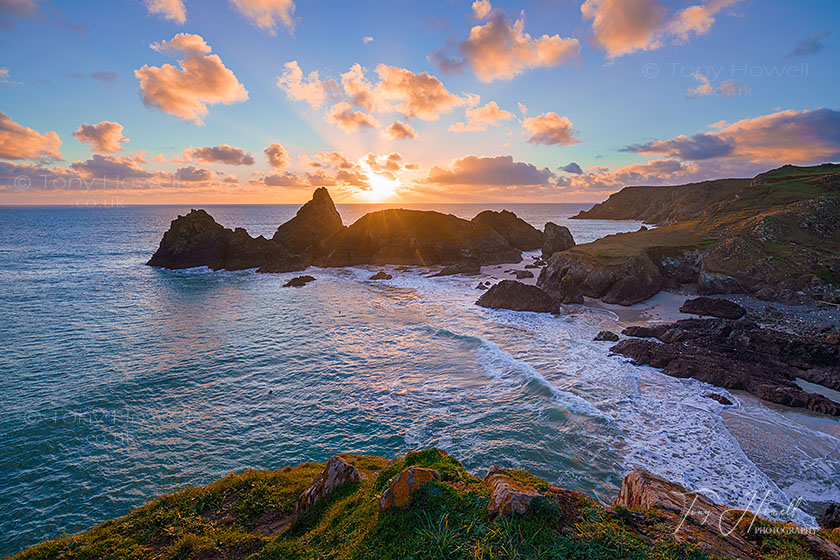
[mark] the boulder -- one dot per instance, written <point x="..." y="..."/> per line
<point x="518" y="232"/>
<point x="381" y="275"/>
<point x="415" y="237"/>
<point x="607" y="336"/>
<point x="398" y="494"/>
<point x="468" y="269"/>
<point x="719" y="398"/>
<point x="556" y="239"/>
<point x="714" y="307"/>
<point x="336" y="474"/>
<point x="299" y="281"/>
<point x="510" y="294"/>
<point x="830" y="518"/>
<point x="522" y="274"/>
<point x="197" y="240"/>
<point x="314" y="222"/>
<point x="508" y="496"/>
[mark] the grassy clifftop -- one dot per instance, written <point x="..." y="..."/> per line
<point x="252" y="515"/>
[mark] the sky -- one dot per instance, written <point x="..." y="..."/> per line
<point x="262" y="101"/>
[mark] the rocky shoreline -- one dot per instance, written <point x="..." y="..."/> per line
<point x="424" y="504"/>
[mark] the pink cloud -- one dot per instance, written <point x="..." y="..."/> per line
<point x="104" y="137"/>
<point x="344" y="117"/>
<point x="173" y="10"/>
<point x="413" y="94"/>
<point x="20" y="142"/>
<point x="223" y="153"/>
<point x="399" y="130"/>
<point x="481" y="8"/>
<point x="310" y="89"/>
<point x="550" y="129"/>
<point x="480" y="118"/>
<point x="277" y="155"/>
<point x="201" y="79"/>
<point x="500" y="170"/>
<point x="267" y="14"/>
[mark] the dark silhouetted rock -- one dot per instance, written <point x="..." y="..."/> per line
<point x="417" y="237"/>
<point x="482" y="286"/>
<point x="467" y="269"/>
<point x="314" y="222"/>
<point x="555" y="239"/>
<point x="830" y="518"/>
<point x="607" y="336"/>
<point x="522" y="274"/>
<point x="714" y="307"/>
<point x="381" y="275"/>
<point x="510" y="294"/>
<point x="298" y="281"/>
<point x="197" y="240"/>
<point x="740" y="355"/>
<point x="719" y="398"/>
<point x="518" y="232"/>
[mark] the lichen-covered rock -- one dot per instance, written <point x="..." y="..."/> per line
<point x="713" y="307"/>
<point x="508" y="496"/>
<point x="556" y="239"/>
<point x="398" y="494"/>
<point x="517" y="231"/>
<point x="336" y="474"/>
<point x="510" y="294"/>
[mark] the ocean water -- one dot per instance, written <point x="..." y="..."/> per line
<point x="120" y="381"/>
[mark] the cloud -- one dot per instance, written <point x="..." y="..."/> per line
<point x="267" y="14"/>
<point x="654" y="172"/>
<point x="367" y="39"/>
<point x="277" y="155"/>
<point x="192" y="174"/>
<point x="704" y="87"/>
<point x="344" y="117"/>
<point x="311" y="89"/>
<point x="223" y="153"/>
<point x="572" y="168"/>
<point x="799" y="137"/>
<point x="104" y="137"/>
<point x="104" y="76"/>
<point x="419" y="95"/>
<point x="481" y="8"/>
<point x="500" y="170"/>
<point x="185" y="92"/>
<point x="11" y="9"/>
<point x="811" y="44"/>
<point x="625" y="26"/>
<point x="399" y="130"/>
<point x="698" y="147"/>
<point x="173" y="10"/>
<point x="115" y="168"/>
<point x="20" y="142"/>
<point x="285" y="179"/>
<point x="550" y="129"/>
<point x="480" y="118"/>
<point x="358" y="88"/>
<point x="500" y="50"/>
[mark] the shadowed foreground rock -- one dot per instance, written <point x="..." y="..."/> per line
<point x="556" y="239"/>
<point x="510" y="294"/>
<point x="713" y="307"/>
<point x="740" y="355"/>
<point x="517" y="231"/>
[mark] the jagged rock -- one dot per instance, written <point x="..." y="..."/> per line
<point x="482" y="286"/>
<point x="197" y="240"/>
<point x="719" y="398"/>
<point x="522" y="274"/>
<point x="314" y="222"/>
<point x="555" y="239"/>
<point x="298" y="281"/>
<point x="714" y="307"/>
<point x="830" y="518"/>
<point x="571" y="275"/>
<point x="381" y="275"/>
<point x="417" y="237"/>
<point x="467" y="269"/>
<point x="510" y="294"/>
<point x="398" y="494"/>
<point x="508" y="496"/>
<point x="336" y="474"/>
<point x="740" y="355"/>
<point x="607" y="336"/>
<point x="517" y="231"/>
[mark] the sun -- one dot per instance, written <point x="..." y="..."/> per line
<point x="381" y="188"/>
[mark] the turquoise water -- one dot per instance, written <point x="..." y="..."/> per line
<point x="120" y="381"/>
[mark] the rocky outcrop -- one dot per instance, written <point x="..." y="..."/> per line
<point x="607" y="336"/>
<point x="556" y="239"/>
<point x="381" y="275"/>
<point x="507" y="495"/>
<point x="571" y="275"/>
<point x="314" y="222"/>
<point x="830" y="518"/>
<point x="197" y="240"/>
<point x="740" y="355"/>
<point x="415" y="237"/>
<point x="518" y="232"/>
<point x="510" y="294"/>
<point x="299" y="281"/>
<point x="398" y="494"/>
<point x="713" y="307"/>
<point x="335" y="475"/>
<point x="467" y="269"/>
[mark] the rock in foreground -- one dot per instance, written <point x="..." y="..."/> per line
<point x="516" y="296"/>
<point x="713" y="307"/>
<point x="517" y="231"/>
<point x="556" y="239"/>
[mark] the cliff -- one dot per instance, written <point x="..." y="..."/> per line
<point x="425" y="505"/>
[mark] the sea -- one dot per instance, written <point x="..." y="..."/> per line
<point x="120" y="381"/>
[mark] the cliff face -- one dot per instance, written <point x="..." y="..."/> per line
<point x="425" y="505"/>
